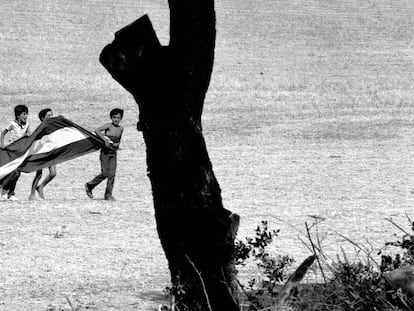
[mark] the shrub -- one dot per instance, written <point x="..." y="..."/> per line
<point x="351" y="286"/>
<point x="405" y="250"/>
<point x="360" y="285"/>
<point x="271" y="268"/>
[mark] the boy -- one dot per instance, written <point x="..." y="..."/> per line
<point x="43" y="115"/>
<point x="16" y="129"/>
<point x="111" y="133"/>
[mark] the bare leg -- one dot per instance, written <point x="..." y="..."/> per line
<point x="34" y="184"/>
<point x="52" y="174"/>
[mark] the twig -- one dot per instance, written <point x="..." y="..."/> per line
<point x="359" y="247"/>
<point x="201" y="281"/>
<point x="249" y="297"/>
<point x="371" y="249"/>
<point x="320" y="249"/>
<point x="242" y="288"/>
<point x="67" y="299"/>
<point x="314" y="251"/>
<point x="306" y="244"/>
<point x="321" y="253"/>
<point x="391" y="221"/>
<point x="408" y="217"/>
<point x="227" y="287"/>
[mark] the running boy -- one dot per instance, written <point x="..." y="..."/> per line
<point x="43" y="115"/>
<point x="16" y="129"/>
<point x="111" y="133"/>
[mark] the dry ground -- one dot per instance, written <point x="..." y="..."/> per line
<point x="310" y="112"/>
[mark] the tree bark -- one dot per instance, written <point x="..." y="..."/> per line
<point x="169" y="84"/>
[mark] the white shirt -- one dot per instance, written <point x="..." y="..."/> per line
<point x="17" y="131"/>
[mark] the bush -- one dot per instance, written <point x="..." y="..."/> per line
<point x="360" y="285"/>
<point x="260" y="292"/>
<point x="351" y="286"/>
<point x="405" y="246"/>
<point x="357" y="286"/>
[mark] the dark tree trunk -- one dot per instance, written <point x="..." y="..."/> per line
<point x="169" y="85"/>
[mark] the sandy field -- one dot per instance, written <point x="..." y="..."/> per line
<point x="310" y="113"/>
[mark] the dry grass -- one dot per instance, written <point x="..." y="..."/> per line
<point x="310" y="112"/>
<point x="101" y="255"/>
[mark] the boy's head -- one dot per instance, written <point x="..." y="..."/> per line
<point x="45" y="114"/>
<point x="116" y="115"/>
<point x="21" y="112"/>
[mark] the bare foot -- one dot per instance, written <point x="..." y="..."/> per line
<point x="32" y="197"/>
<point x="40" y="191"/>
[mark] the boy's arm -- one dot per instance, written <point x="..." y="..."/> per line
<point x="98" y="131"/>
<point x="3" y="133"/>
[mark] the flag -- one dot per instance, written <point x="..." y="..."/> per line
<point x="54" y="141"/>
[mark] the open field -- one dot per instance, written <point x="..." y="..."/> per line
<point x="310" y="112"/>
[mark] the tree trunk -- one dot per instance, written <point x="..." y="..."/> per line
<point x="169" y="85"/>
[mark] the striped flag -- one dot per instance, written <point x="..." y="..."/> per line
<point x="54" y="141"/>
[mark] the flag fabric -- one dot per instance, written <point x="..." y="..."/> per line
<point x="54" y="141"/>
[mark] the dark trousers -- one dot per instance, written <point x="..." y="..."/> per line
<point x="9" y="182"/>
<point x="108" y="168"/>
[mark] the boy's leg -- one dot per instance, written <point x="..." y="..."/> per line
<point x="96" y="181"/>
<point x="99" y="178"/>
<point x="4" y="193"/>
<point x="111" y="177"/>
<point x="52" y="174"/>
<point x="11" y="184"/>
<point x="34" y="184"/>
<point x="4" y="182"/>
